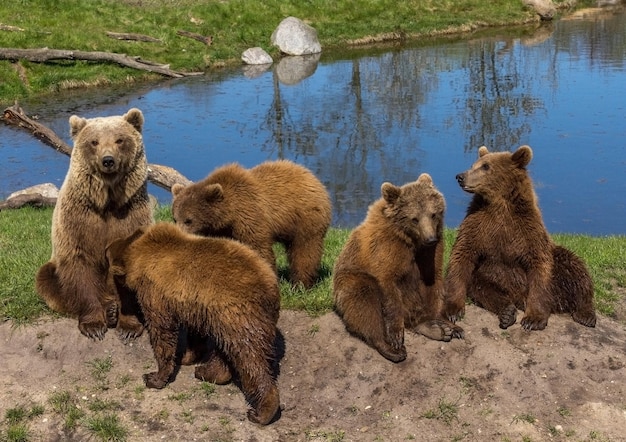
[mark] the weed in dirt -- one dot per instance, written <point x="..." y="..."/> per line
<point x="563" y="412"/>
<point x="107" y="428"/>
<point x="15" y="415"/>
<point x="207" y="388"/>
<point x="187" y="416"/>
<point x="313" y="330"/>
<point x="180" y="397"/>
<point x="329" y="436"/>
<point x="139" y="392"/>
<point x="100" y="368"/>
<point x="99" y="405"/>
<point x="17" y="433"/>
<point x="525" y="417"/>
<point x="445" y="411"/>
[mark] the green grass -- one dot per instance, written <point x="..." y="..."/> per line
<point x="234" y="25"/>
<point x="25" y="245"/>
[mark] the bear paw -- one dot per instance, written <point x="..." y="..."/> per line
<point x="93" y="329"/>
<point x="391" y="353"/>
<point x="454" y="314"/>
<point x="153" y="380"/>
<point x="508" y="316"/>
<point x="588" y="319"/>
<point x="111" y="314"/>
<point x="530" y="323"/>
<point x="440" y="330"/>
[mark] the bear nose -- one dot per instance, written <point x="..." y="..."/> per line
<point x="108" y="161"/>
<point x="430" y="240"/>
<point x="460" y="178"/>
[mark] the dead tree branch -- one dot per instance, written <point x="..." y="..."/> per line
<point x="207" y="40"/>
<point x="133" y="37"/>
<point x="43" y="55"/>
<point x="162" y="176"/>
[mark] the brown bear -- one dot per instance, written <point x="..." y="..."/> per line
<point x="216" y="288"/>
<point x="389" y="275"/>
<point x="277" y="201"/>
<point x="104" y="196"/>
<point x="503" y="258"/>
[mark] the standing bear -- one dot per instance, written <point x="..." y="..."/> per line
<point x="503" y="258"/>
<point x="104" y="196"/>
<point x="277" y="201"/>
<point x="216" y="288"/>
<point x="389" y="275"/>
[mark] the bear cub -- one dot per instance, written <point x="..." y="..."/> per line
<point x="503" y="258"/>
<point x="389" y="275"/>
<point x="104" y="196"/>
<point x="277" y="201"/>
<point x="216" y="288"/>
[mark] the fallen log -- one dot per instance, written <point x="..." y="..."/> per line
<point x="207" y="40"/>
<point x="162" y="176"/>
<point x="133" y="37"/>
<point x="43" y="55"/>
<point x="27" y="199"/>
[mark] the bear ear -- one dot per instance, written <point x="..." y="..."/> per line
<point x="176" y="188"/>
<point x="425" y="179"/>
<point x="213" y="192"/>
<point x="390" y="192"/>
<point x="135" y="118"/>
<point x="482" y="151"/>
<point x="76" y="125"/>
<point x="522" y="156"/>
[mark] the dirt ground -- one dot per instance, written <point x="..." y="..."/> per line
<point x="566" y="383"/>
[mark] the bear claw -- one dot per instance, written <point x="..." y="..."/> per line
<point x="93" y="330"/>
<point x="508" y="316"/>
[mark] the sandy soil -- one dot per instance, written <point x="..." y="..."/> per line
<point x="567" y="382"/>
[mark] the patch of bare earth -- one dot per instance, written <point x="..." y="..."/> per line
<point x="567" y="382"/>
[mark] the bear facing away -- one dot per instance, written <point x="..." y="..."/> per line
<point x="216" y="288"/>
<point x="503" y="258"/>
<point x="104" y="196"/>
<point x="389" y="275"/>
<point x="277" y="201"/>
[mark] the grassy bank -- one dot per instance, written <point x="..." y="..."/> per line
<point x="234" y="25"/>
<point x="25" y="245"/>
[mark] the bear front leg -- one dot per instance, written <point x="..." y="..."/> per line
<point x="393" y="319"/>
<point x="164" y="340"/>
<point x="539" y="301"/>
<point x="456" y="284"/>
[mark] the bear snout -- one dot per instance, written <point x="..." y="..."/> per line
<point x="430" y="240"/>
<point x="108" y="162"/>
<point x="460" y="178"/>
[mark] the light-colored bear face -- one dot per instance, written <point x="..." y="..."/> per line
<point x="108" y="146"/>
<point x="417" y="208"/>
<point x="494" y="172"/>
<point x="202" y="209"/>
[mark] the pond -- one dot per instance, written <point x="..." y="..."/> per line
<point x="360" y="118"/>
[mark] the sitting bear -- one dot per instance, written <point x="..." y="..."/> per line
<point x="216" y="288"/>
<point x="277" y="201"/>
<point x="104" y="196"/>
<point x="389" y="275"/>
<point x="503" y="258"/>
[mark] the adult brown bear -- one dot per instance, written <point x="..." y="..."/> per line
<point x="104" y="197"/>
<point x="389" y="275"/>
<point x="503" y="258"/>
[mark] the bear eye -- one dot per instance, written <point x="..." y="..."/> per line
<point x="187" y="222"/>
<point x="95" y="143"/>
<point x="119" y="141"/>
<point x="485" y="166"/>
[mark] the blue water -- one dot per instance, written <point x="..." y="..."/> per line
<point x="389" y="114"/>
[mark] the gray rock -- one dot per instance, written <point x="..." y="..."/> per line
<point x="544" y="8"/>
<point x="256" y="56"/>
<point x="47" y="190"/>
<point x="294" y="37"/>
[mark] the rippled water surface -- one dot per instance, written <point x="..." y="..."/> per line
<point x="388" y="114"/>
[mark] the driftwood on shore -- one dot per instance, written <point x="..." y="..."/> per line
<point x="207" y="40"/>
<point x="132" y="37"/>
<point x="42" y="55"/>
<point x="162" y="176"/>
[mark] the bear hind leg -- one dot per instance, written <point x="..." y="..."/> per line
<point x="305" y="256"/>
<point x="358" y="302"/>
<point x="573" y="287"/>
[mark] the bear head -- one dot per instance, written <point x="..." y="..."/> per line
<point x="108" y="147"/>
<point x="202" y="209"/>
<point x="416" y="208"/>
<point x="494" y="173"/>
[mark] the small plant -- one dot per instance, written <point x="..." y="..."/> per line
<point x="100" y="405"/>
<point x="315" y="328"/>
<point x="524" y="417"/>
<point x="445" y="411"/>
<point x="207" y="388"/>
<point x="17" y="433"/>
<point x="180" y="397"/>
<point x="100" y="368"/>
<point x="16" y="415"/>
<point x="107" y="428"/>
<point x="564" y="412"/>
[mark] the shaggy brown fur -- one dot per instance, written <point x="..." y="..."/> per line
<point x="104" y="196"/>
<point x="389" y="275"/>
<point x="277" y="201"/>
<point x="216" y="288"/>
<point x="503" y="258"/>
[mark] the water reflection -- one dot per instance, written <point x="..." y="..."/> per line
<point x="388" y="114"/>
